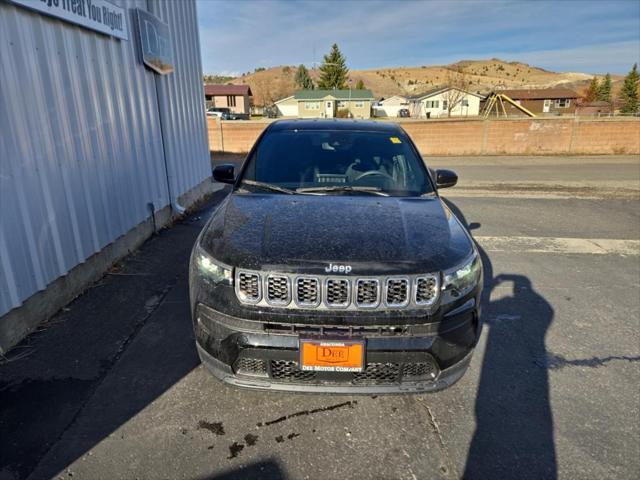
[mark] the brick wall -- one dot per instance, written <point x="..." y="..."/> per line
<point x="235" y="136"/>
<point x="616" y="137"/>
<point x="454" y="137"/>
<point x="530" y="136"/>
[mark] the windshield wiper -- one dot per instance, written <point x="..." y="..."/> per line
<point x="342" y="188"/>
<point x="267" y="186"/>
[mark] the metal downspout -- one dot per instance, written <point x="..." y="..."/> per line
<point x="175" y="206"/>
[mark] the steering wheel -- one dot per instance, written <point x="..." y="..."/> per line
<point x="370" y="173"/>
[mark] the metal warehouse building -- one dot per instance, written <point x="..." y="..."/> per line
<point x="102" y="137"/>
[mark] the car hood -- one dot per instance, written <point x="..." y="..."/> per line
<point x="304" y="233"/>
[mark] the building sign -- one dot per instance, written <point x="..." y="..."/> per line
<point x="155" y="39"/>
<point x="98" y="15"/>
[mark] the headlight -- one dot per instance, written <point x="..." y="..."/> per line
<point x="462" y="279"/>
<point x="211" y="270"/>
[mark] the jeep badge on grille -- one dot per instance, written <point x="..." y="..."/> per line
<point x="337" y="268"/>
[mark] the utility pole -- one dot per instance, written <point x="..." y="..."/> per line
<point x="350" y="98"/>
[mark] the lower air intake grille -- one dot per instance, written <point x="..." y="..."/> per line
<point x="418" y="370"/>
<point x="378" y="373"/>
<point x="288" y="371"/>
<point x="337" y="292"/>
<point x="249" y="287"/>
<point x="251" y="366"/>
<point x="387" y="373"/>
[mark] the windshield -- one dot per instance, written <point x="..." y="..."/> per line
<point x="338" y="162"/>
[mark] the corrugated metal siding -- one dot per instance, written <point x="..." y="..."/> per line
<point x="81" y="150"/>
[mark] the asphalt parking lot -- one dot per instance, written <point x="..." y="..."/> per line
<point x="112" y="387"/>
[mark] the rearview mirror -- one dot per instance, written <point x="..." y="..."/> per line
<point x="446" y="178"/>
<point x="224" y="173"/>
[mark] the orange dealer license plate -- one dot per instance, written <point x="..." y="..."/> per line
<point x="329" y="355"/>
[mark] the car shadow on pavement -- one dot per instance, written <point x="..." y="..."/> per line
<point x="102" y="359"/>
<point x="264" y="470"/>
<point x="514" y="423"/>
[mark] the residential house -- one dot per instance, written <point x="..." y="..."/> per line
<point x="333" y="103"/>
<point x="542" y="101"/>
<point x="287" y="107"/>
<point x="389" y="107"/>
<point x="435" y="103"/>
<point x="237" y="98"/>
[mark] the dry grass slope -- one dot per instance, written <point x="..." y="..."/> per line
<point x="275" y="83"/>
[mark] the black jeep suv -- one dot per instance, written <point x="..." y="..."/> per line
<point x="334" y="266"/>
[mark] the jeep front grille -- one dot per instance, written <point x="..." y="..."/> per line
<point x="426" y="289"/>
<point x="367" y="293"/>
<point x="337" y="292"/>
<point x="248" y="287"/>
<point x="289" y="290"/>
<point x="278" y="291"/>
<point x="397" y="292"/>
<point x="307" y="292"/>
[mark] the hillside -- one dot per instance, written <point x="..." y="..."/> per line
<point x="274" y="83"/>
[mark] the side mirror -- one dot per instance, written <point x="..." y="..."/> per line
<point x="224" y="173"/>
<point x="446" y="178"/>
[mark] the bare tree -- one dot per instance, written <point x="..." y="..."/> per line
<point x="279" y="91"/>
<point x="262" y="90"/>
<point x="458" y="82"/>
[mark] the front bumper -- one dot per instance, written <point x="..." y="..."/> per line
<point x="407" y="359"/>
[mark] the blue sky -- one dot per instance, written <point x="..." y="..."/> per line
<point x="567" y="35"/>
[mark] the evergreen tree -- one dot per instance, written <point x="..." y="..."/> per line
<point x="333" y="71"/>
<point x="604" y="92"/>
<point x="629" y="93"/>
<point x="360" y="85"/>
<point x="592" y="91"/>
<point x="303" y="79"/>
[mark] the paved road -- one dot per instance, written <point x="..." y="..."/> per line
<point x="112" y="387"/>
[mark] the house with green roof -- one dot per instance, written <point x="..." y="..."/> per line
<point x="327" y="103"/>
